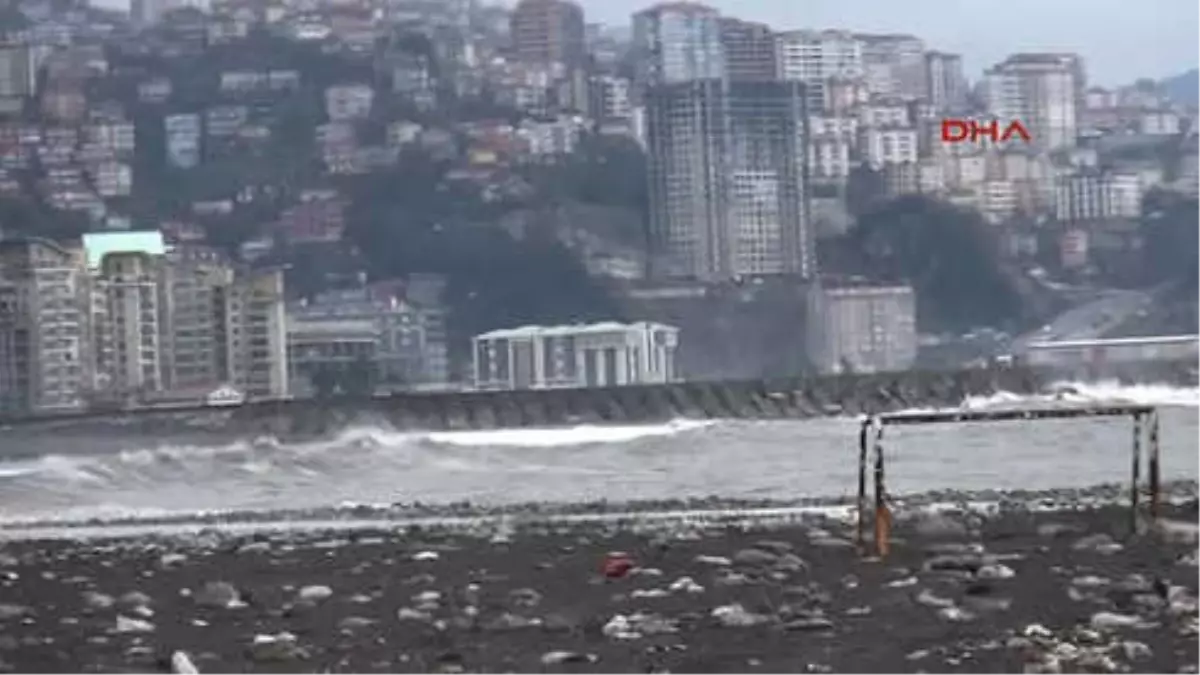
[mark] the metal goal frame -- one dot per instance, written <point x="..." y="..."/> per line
<point x="870" y="438"/>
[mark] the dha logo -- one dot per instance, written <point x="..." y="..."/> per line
<point x="961" y="131"/>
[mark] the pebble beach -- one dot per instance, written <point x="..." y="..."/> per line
<point x="1016" y="590"/>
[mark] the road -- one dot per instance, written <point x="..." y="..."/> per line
<point x="1089" y="321"/>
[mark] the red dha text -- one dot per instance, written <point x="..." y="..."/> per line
<point x="959" y="131"/>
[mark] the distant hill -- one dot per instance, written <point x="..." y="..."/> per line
<point x="1183" y="88"/>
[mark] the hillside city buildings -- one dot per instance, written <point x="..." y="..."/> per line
<point x="759" y="141"/>
<point x="120" y="320"/>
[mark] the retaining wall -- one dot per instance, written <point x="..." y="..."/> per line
<point x="790" y="398"/>
<point x="784" y="398"/>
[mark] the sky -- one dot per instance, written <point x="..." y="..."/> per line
<point x="1120" y="40"/>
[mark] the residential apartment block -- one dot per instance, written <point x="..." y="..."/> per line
<point x="864" y="329"/>
<point x="120" y="318"/>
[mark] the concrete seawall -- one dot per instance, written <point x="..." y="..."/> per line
<point x="785" y="398"/>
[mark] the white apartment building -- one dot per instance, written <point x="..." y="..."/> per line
<point x="345" y="102"/>
<point x="675" y="43"/>
<point x="840" y="126"/>
<point x="1159" y="123"/>
<point x="894" y="65"/>
<point x="183" y="140"/>
<point x="947" y="88"/>
<point x="549" y="139"/>
<point x="815" y="56"/>
<point x="998" y="200"/>
<point x="610" y="98"/>
<point x="832" y="140"/>
<point x="885" y="113"/>
<point x="256" y="342"/>
<point x="1042" y="91"/>
<point x="45" y="346"/>
<point x="828" y="159"/>
<point x="193" y="289"/>
<point x="883" y="146"/>
<point x="1098" y="197"/>
<point x="112" y="179"/>
<point x="931" y="176"/>
<point x="128" y="282"/>
<point x="579" y="356"/>
<point x="862" y="328"/>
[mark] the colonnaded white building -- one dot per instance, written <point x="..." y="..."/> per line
<point x="593" y="355"/>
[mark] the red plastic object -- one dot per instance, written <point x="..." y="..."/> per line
<point x="617" y="565"/>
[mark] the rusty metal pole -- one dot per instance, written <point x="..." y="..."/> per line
<point x="882" y="519"/>
<point x="1155" y="478"/>
<point x="864" y="439"/>
<point x="1136" y="469"/>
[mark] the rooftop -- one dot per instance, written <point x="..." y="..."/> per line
<point x="571" y="329"/>
<point x="99" y="244"/>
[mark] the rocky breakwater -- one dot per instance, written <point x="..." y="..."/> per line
<point x="784" y="398"/>
<point x="765" y="399"/>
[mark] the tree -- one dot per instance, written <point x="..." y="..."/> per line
<point x="409" y="220"/>
<point x="949" y="255"/>
<point x="1171" y="241"/>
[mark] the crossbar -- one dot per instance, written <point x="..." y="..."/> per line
<point x="1145" y="422"/>
<point x="1011" y="414"/>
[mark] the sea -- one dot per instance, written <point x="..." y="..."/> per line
<point x="60" y="479"/>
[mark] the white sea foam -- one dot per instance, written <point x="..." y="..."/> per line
<point x="679" y="459"/>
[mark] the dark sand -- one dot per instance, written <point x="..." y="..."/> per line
<point x="819" y="608"/>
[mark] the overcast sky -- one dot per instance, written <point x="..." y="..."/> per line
<point x="1121" y="40"/>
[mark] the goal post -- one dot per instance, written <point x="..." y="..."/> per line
<point x="870" y="449"/>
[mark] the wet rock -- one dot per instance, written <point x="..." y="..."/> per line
<point x="510" y="622"/>
<point x="1101" y="543"/>
<point x="995" y="571"/>
<point x="967" y="562"/>
<point x="277" y="648"/>
<point x="353" y="623"/>
<point x="955" y="615"/>
<point x="1177" y="532"/>
<point x="10" y="611"/>
<point x="181" y="664"/>
<point x="939" y="526"/>
<point x="930" y="599"/>
<point x="525" y="597"/>
<point x="314" y="593"/>
<point x="1052" y="530"/>
<point x="558" y="658"/>
<point x="127" y="624"/>
<point x="98" y="601"/>
<point x="410" y="614"/>
<point x="754" y="557"/>
<point x="714" y="560"/>
<point x="736" y="616"/>
<point x="1136" y="651"/>
<point x="633" y="627"/>
<point x="774" y="546"/>
<point x="426" y="556"/>
<point x="1113" y="621"/>
<point x="685" y="585"/>
<point x="220" y="594"/>
<point x="808" y="623"/>
<point x="172" y="560"/>
<point x="134" y="599"/>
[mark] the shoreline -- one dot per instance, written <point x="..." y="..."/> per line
<point x="467" y="517"/>
<point x="1055" y="590"/>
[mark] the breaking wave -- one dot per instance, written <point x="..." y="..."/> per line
<point x="683" y="458"/>
<point x="1110" y="392"/>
